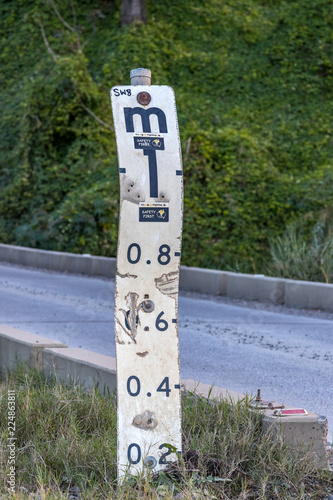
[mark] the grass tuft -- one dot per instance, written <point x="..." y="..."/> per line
<point x="304" y="254"/>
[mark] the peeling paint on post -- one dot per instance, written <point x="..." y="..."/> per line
<point x="147" y="280"/>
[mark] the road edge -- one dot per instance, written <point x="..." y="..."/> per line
<point x="278" y="291"/>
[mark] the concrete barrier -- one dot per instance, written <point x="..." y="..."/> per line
<point x="233" y="285"/>
<point x="303" y="433"/>
<point x="309" y="295"/>
<point x="82" y="367"/>
<point x="59" y="261"/>
<point x="16" y="345"/>
<point x="299" y="294"/>
<point x="103" y="266"/>
<point x="255" y="287"/>
<point x="195" y="279"/>
<point x="212" y="392"/>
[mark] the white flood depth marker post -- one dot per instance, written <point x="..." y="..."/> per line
<point x="147" y="279"/>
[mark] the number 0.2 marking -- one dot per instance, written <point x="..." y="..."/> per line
<point x="129" y="454"/>
<point x="162" y="460"/>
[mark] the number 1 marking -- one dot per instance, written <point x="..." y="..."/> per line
<point x="145" y="121"/>
<point x="152" y="172"/>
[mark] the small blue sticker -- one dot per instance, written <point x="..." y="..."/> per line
<point x="153" y="214"/>
<point x="149" y="143"/>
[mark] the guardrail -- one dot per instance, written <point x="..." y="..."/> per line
<point x="291" y="293"/>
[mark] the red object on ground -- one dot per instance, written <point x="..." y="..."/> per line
<point x="293" y="411"/>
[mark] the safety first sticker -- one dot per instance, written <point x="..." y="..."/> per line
<point x="153" y="212"/>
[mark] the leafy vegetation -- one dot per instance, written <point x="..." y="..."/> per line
<point x="66" y="448"/>
<point x="253" y="82"/>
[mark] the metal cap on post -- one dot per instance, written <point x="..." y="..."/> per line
<point x="140" y="76"/>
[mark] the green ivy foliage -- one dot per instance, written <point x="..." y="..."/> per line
<point x="253" y="82"/>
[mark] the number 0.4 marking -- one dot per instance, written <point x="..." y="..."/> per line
<point x="166" y="388"/>
<point x="134" y="388"/>
<point x="138" y="386"/>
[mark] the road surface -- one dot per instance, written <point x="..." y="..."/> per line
<point x="240" y="346"/>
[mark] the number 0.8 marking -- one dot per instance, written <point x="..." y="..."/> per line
<point x="164" y="252"/>
<point x="129" y="253"/>
<point x="163" y="256"/>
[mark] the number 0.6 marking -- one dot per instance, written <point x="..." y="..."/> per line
<point x="161" y="324"/>
<point x="134" y="254"/>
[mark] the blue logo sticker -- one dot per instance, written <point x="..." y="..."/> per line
<point x="153" y="214"/>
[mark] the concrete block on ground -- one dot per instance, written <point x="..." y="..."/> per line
<point x="19" y="346"/>
<point x="303" y="433"/>
<point x="309" y="295"/>
<point x="255" y="287"/>
<point x="81" y="366"/>
<point x="195" y="279"/>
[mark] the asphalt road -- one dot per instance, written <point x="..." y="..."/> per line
<point x="241" y="346"/>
